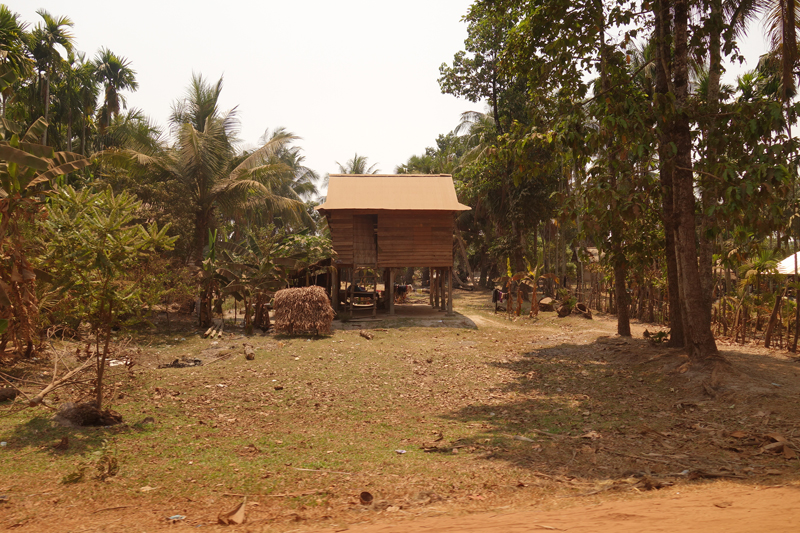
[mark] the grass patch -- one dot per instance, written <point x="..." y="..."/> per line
<point x="488" y="411"/>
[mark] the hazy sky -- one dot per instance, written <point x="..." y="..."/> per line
<point x="347" y="76"/>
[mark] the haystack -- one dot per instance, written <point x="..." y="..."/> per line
<point x="303" y="310"/>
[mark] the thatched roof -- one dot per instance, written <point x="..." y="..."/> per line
<point x="406" y="192"/>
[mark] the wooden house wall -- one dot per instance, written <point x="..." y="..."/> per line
<point x="364" y="251"/>
<point x="341" y="226"/>
<point x="423" y="238"/>
<point x="404" y="238"/>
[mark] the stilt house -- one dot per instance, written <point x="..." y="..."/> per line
<point x="393" y="221"/>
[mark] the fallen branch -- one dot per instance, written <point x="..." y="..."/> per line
<point x="225" y="355"/>
<point x="548" y="434"/>
<point x="326" y="471"/>
<point x="295" y="494"/>
<point x="14" y="387"/>
<point x="36" y="400"/>
<point x="112" y="508"/>
<point x="651" y="459"/>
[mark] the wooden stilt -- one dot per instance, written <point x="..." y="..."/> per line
<point x="450" y="291"/>
<point x="375" y="292"/>
<point x="442" y="277"/>
<point x="335" y="289"/>
<point x="430" y="279"/>
<point x="390" y="291"/>
<point x="435" y="287"/>
<point x="351" y="288"/>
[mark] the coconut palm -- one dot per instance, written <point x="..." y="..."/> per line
<point x="302" y="180"/>
<point x="204" y="163"/>
<point x="116" y="74"/>
<point x="357" y="165"/>
<point x="480" y="132"/>
<point x="781" y="27"/>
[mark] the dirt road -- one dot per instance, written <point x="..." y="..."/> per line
<point x="715" y="508"/>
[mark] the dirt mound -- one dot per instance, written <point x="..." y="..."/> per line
<point x="86" y="414"/>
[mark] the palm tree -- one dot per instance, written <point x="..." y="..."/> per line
<point x="480" y="132"/>
<point x="302" y="180"/>
<point x="116" y="74"/>
<point x="12" y="47"/>
<point x="76" y="87"/>
<point x="781" y="21"/>
<point x="357" y="165"/>
<point x="215" y="178"/>
<point x="418" y="164"/>
<point x="51" y="32"/>
<point x="781" y="27"/>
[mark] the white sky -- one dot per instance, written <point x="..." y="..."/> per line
<point x="347" y="76"/>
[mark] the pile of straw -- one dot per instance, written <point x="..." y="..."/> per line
<point x="303" y="310"/>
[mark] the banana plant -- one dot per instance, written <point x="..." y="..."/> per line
<point x="27" y="169"/>
<point x="251" y="273"/>
<point x="520" y="285"/>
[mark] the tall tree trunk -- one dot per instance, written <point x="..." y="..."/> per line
<point x="702" y="347"/>
<point x="69" y="132"/>
<point x="621" y="299"/>
<point x="663" y="74"/>
<point x="484" y="267"/>
<point x="705" y="244"/>
<point x="46" y="106"/>
<point x="202" y="224"/>
<point x="617" y="252"/>
<point x="84" y="127"/>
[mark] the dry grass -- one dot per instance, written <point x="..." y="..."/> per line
<point x="305" y="310"/>
<point x="489" y="413"/>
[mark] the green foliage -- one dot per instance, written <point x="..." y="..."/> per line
<point x="251" y="273"/>
<point x="213" y="179"/>
<point x="26" y="170"/>
<point x="94" y="243"/>
<point x="254" y="268"/>
<point x="95" y="246"/>
<point x="357" y="165"/>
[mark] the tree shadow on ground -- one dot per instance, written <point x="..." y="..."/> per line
<point x="619" y="407"/>
<point x="42" y="435"/>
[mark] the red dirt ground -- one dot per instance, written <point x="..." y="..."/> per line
<point x="713" y="508"/>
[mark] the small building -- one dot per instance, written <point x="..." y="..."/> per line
<point x="393" y="221"/>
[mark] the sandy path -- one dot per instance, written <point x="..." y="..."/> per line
<point x="708" y="509"/>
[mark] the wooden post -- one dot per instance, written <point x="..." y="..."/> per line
<point x="442" y="277"/>
<point x="450" y="291"/>
<point x="335" y="289"/>
<point x="430" y="286"/>
<point x="351" y="288"/>
<point x="435" y="287"/>
<point x="375" y="292"/>
<point x="390" y="292"/>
